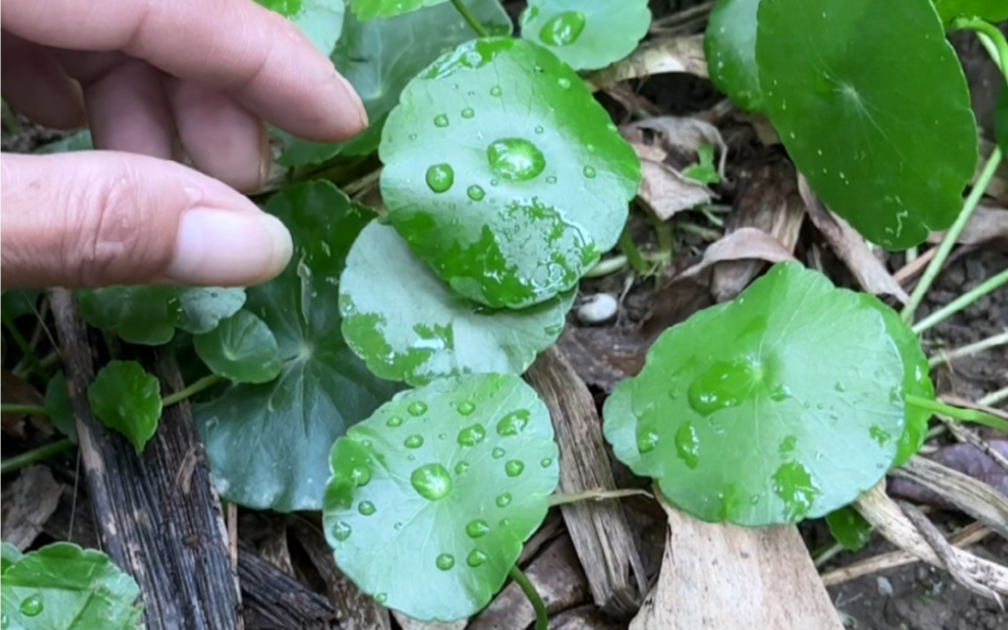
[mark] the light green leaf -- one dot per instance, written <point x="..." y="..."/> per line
<point x="849" y="528"/>
<point x="730" y="49"/>
<point x="9" y="554"/>
<point x="126" y="398"/>
<point x="149" y="315"/>
<point x="704" y="170"/>
<point x="449" y="480"/>
<point x="59" y="407"/>
<point x="586" y="34"/>
<point x="370" y="9"/>
<point x="64" y="587"/>
<point x="990" y="10"/>
<point x="873" y="108"/>
<point x="242" y="349"/>
<point x="729" y="418"/>
<point x="503" y="174"/>
<point x="268" y="445"/>
<point x="379" y="57"/>
<point x="320" y="20"/>
<point x="428" y="331"/>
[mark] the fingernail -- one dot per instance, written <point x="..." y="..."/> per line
<point x="229" y="248"/>
<point x="355" y="98"/>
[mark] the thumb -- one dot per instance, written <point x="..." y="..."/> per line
<point x="100" y="218"/>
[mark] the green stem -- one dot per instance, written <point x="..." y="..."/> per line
<point x="470" y="18"/>
<point x="542" y="621"/>
<point x="949" y="241"/>
<point x="191" y="390"/>
<point x="957" y="413"/>
<point x="827" y="554"/>
<point x="632" y="253"/>
<point x="24" y="410"/>
<point x="26" y="350"/>
<point x="595" y="495"/>
<point x="983" y="27"/>
<point x="33" y="457"/>
<point x="607" y="267"/>
<point x="991" y="284"/>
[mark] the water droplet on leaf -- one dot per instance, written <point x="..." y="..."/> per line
<point x="468" y="112"/>
<point x="445" y="561"/>
<point x="546" y="462"/>
<point x="725" y="384"/>
<point x="441" y="120"/>
<point x="31" y="606"/>
<point x="431" y="481"/>
<point x="503" y="500"/>
<point x="413" y="441"/>
<point x="496" y="91"/>
<point x="417" y="408"/>
<point x="465" y="407"/>
<point x="475" y="193"/>
<point x="515" y="159"/>
<point x="497" y="452"/>
<point x="471" y="435"/>
<point x="589" y="172"/>
<point x="647" y="441"/>
<point x="687" y="443"/>
<point x="366" y="508"/>
<point x="513" y="423"/>
<point x="563" y="29"/>
<point x="381" y="598"/>
<point x="476" y="558"/>
<point x="564" y="83"/>
<point x="461" y="468"/>
<point x="360" y="475"/>
<point x="477" y="528"/>
<point x="341" y="531"/>
<point x="394" y="421"/>
<point x="514" y="468"/>
<point x="440" y="178"/>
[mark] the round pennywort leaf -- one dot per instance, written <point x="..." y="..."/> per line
<point x="503" y="174"/>
<point x="125" y="397"/>
<point x="728" y="418"/>
<point x="428" y="331"/>
<point x="730" y="49"/>
<point x="873" y="108"/>
<point x="370" y="9"/>
<point x="242" y="348"/>
<point x="586" y="34"/>
<point x="320" y="20"/>
<point x="449" y="480"/>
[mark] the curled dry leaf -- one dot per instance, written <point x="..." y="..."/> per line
<point x="986" y="226"/>
<point x="965" y="458"/>
<point x="850" y="247"/>
<point x="746" y="243"/>
<point x="662" y="56"/>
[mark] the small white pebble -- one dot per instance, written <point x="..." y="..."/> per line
<point x="884" y="586"/>
<point x="598" y="309"/>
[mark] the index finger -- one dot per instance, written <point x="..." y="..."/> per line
<point x="236" y="46"/>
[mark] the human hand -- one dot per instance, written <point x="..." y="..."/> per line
<point x="143" y="73"/>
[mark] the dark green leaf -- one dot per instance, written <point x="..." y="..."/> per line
<point x="732" y="421"/>
<point x="448" y="480"/>
<point x="873" y="108"/>
<point x="379" y="57"/>
<point x="508" y="183"/>
<point x="703" y="171"/>
<point x="268" y="445"/>
<point x="990" y="10"/>
<point x="849" y="528"/>
<point x="428" y="331"/>
<point x="59" y="407"/>
<point x="9" y="554"/>
<point x="16" y="303"/>
<point x="149" y="315"/>
<point x="242" y="349"/>
<point x="320" y="20"/>
<point x="76" y="141"/>
<point x="370" y="9"/>
<point x="586" y="34"/>
<point x="64" y="587"/>
<point x="730" y="49"/>
<point x="125" y="397"/>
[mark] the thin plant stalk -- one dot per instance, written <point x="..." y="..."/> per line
<point x="35" y="456"/>
<point x="542" y="621"/>
<point x="595" y="495"/>
<point x="24" y="410"/>
<point x="949" y="241"/>
<point x="191" y="390"/>
<point x="26" y="350"/>
<point x="957" y="413"/>
<point x="994" y="397"/>
<point x="969" y="350"/>
<point x="470" y="18"/>
<point x="966" y="299"/>
<point x="991" y="37"/>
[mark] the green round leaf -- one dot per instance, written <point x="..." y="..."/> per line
<point x="126" y="398"/>
<point x="320" y="20"/>
<point x="730" y="49"/>
<point x="9" y="554"/>
<point x="149" y="315"/>
<point x="268" y="445"/>
<point x="916" y="382"/>
<point x="449" y="480"/>
<point x="586" y="34"/>
<point x="873" y="108"/>
<point x="370" y="9"/>
<point x="428" y="331"/>
<point x="503" y="174"/>
<point x="990" y="10"/>
<point x="782" y="404"/>
<point x="379" y="57"/>
<point x="242" y="349"/>
<point x="64" y="587"/>
<point x="849" y="528"/>
<point x="59" y="407"/>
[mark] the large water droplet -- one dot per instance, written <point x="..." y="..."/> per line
<point x="431" y="481"/>
<point x="360" y="475"/>
<point x="440" y="177"/>
<point x="513" y="423"/>
<point x="468" y="112"/>
<point x="441" y="120"/>
<point x="503" y="500"/>
<point x="445" y="561"/>
<point x="563" y="29"/>
<point x="341" y="531"/>
<point x="589" y="172"/>
<point x="31" y="606"/>
<point x="793" y="484"/>
<point x="477" y="528"/>
<point x="687" y="444"/>
<point x="725" y="384"/>
<point x="472" y="435"/>
<point x="514" y="468"/>
<point x="647" y="441"/>
<point x="366" y="508"/>
<point x="417" y="408"/>
<point x="394" y="421"/>
<point x="475" y="193"/>
<point x="413" y="441"/>
<point x="498" y="452"/>
<point x="515" y="159"/>
<point x="476" y="558"/>
<point x="465" y="407"/>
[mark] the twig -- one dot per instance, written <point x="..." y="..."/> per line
<point x="969" y="350"/>
<point x="596" y="495"/>
<point x="961" y="302"/>
<point x="994" y="398"/>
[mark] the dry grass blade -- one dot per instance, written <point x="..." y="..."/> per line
<point x="660" y="56"/>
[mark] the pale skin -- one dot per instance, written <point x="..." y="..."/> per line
<point x="153" y="79"/>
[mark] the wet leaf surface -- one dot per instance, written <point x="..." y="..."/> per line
<point x="127" y="398"/>
<point x="242" y="349"/>
<point x="370" y="9"/>
<point x="730" y="48"/>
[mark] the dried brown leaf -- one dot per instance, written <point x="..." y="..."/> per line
<point x="965" y="458"/>
<point x="660" y="56"/>
<point x="986" y="226"/>
<point x="28" y="503"/>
